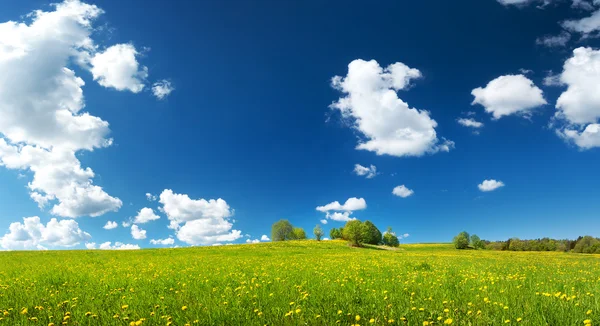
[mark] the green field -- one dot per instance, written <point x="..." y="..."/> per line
<point x="299" y="283"/>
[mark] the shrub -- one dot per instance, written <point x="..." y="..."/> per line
<point x="373" y="235"/>
<point x="461" y="241"/>
<point x="281" y="230"/>
<point x="355" y="232"/>
<point x="318" y="232"/>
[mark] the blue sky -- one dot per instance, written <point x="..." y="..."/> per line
<point x="246" y="116"/>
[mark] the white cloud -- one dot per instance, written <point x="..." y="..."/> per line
<point x="585" y="25"/>
<point x="554" y="40"/>
<point x="580" y="103"/>
<point x="583" y="4"/>
<point x="117" y="67"/>
<point x="371" y="104"/>
<point x="368" y="172"/>
<point x="164" y="242"/>
<point x="351" y="204"/>
<point x="323" y="221"/>
<point x="510" y="94"/>
<point x="402" y="191"/>
<point x="339" y="216"/>
<point x="162" y="89"/>
<point x="252" y="241"/>
<point x="325" y="239"/>
<point x="126" y="224"/>
<point x="405" y="235"/>
<point x="43" y="124"/>
<point x="110" y="225"/>
<point x="204" y="221"/>
<point x="137" y="233"/>
<point x="32" y="234"/>
<point x="151" y="197"/>
<point x="490" y="185"/>
<point x="586" y="139"/>
<point x="468" y="122"/>
<point x="264" y="238"/>
<point x="117" y="246"/>
<point x="514" y="2"/>
<point x="145" y="215"/>
<point x="90" y="245"/>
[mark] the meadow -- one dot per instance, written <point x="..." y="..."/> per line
<point x="299" y="283"/>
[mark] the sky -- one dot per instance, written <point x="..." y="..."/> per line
<point x="202" y="123"/>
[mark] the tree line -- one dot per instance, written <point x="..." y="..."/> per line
<point x="586" y="244"/>
<point x="357" y="233"/>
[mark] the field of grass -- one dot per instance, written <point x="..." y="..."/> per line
<point x="299" y="283"/>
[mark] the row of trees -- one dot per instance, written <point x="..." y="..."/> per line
<point x="586" y="244"/>
<point x="355" y="231"/>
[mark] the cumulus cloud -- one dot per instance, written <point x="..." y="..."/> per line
<point x="510" y="94"/>
<point x="551" y="41"/>
<point x="162" y="89"/>
<point x="137" y="233"/>
<point x="32" y="234"/>
<point x="118" y="68"/>
<point x="585" y="25"/>
<point x="368" y="172"/>
<point x="490" y="185"/>
<point x="402" y="191"/>
<point x="110" y="225"/>
<point x="108" y="246"/>
<point x="339" y="216"/>
<point x="351" y="204"/>
<point x="388" y="125"/>
<point x="164" y="242"/>
<point x="264" y="238"/>
<point x="145" y="215"/>
<point x="252" y="241"/>
<point x="586" y="139"/>
<point x="205" y="222"/>
<point x="471" y="123"/>
<point x="43" y="123"/>
<point x="151" y="197"/>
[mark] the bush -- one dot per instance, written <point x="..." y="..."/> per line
<point x="335" y="234"/>
<point x="373" y="235"/>
<point x="476" y="242"/>
<point x="461" y="241"/>
<point x="355" y="232"/>
<point x="298" y="234"/>
<point x="390" y="239"/>
<point x="281" y="230"/>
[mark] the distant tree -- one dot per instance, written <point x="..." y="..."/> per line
<point x="342" y="233"/>
<point x="335" y="234"/>
<point x="318" y="232"/>
<point x="355" y="232"/>
<point x="298" y="234"/>
<point x="281" y="230"/>
<point x="461" y="241"/>
<point x="373" y="235"/>
<point x="588" y="245"/>
<point x="390" y="239"/>
<point x="476" y="242"/>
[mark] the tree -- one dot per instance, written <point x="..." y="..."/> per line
<point x="390" y="239"/>
<point x="355" y="232"/>
<point x="373" y="235"/>
<point x="461" y="241"/>
<point x="335" y="234"/>
<point x="476" y="242"/>
<point x="281" y="230"/>
<point x="298" y="234"/>
<point x="318" y="232"/>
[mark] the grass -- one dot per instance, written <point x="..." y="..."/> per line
<point x="299" y="283"/>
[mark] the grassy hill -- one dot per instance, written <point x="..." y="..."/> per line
<point x="299" y="283"/>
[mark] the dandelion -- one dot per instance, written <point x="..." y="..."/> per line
<point x="448" y="321"/>
<point x="357" y="317"/>
<point x="372" y="320"/>
<point x="184" y="308"/>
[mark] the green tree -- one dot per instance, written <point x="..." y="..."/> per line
<point x="476" y="242"/>
<point x="461" y="241"/>
<point x="298" y="234"/>
<point x="390" y="239"/>
<point x="318" y="232"/>
<point x="355" y="232"/>
<point x="373" y="235"/>
<point x="335" y="234"/>
<point x="281" y="230"/>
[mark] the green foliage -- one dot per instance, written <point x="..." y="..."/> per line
<point x="318" y="232"/>
<point x="355" y="232"/>
<point x="390" y="239"/>
<point x="335" y="234"/>
<point x="476" y="242"/>
<point x="373" y="235"/>
<point x="298" y="234"/>
<point x="588" y="245"/>
<point x="461" y="241"/>
<point x="281" y="230"/>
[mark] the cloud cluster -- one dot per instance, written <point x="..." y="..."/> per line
<point x="109" y="246"/>
<point x="402" y="191"/>
<point x="138" y="233"/>
<point x="507" y="95"/>
<point x="371" y="104"/>
<point x="164" y="242"/>
<point x="145" y="215"/>
<point x="162" y="89"/>
<point x="368" y="172"/>
<point x="341" y="213"/>
<point x="199" y="221"/>
<point x="110" y="225"/>
<point x="32" y="234"/>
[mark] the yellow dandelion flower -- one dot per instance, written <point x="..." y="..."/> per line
<point x="357" y="317"/>
<point x="184" y="308"/>
<point x="448" y="321"/>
